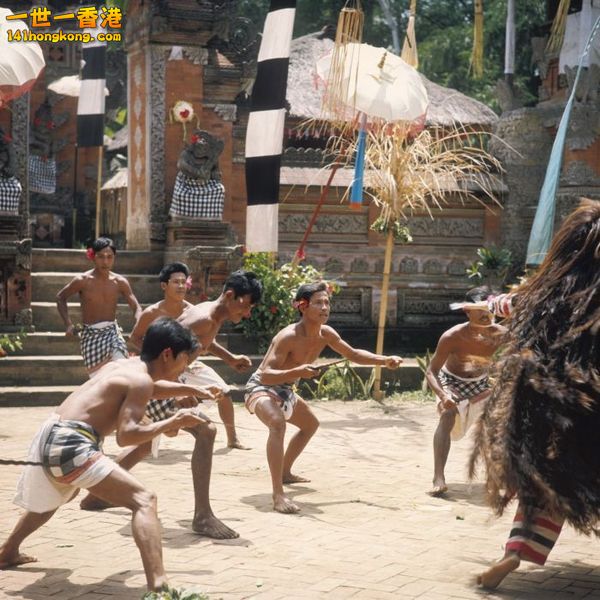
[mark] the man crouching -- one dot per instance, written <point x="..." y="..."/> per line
<point x="68" y="446"/>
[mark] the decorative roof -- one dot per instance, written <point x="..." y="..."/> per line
<point x="446" y="106"/>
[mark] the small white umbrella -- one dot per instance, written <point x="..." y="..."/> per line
<point x="69" y="85"/>
<point x="378" y="84"/>
<point x="20" y="62"/>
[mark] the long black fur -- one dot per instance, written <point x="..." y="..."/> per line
<point x="539" y="436"/>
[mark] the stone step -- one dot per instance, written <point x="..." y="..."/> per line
<point x="75" y="261"/>
<point x="69" y="370"/>
<point x="46" y="317"/>
<point x="46" y="284"/>
<point x="43" y="395"/>
<point x="48" y="343"/>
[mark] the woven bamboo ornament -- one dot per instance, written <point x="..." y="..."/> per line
<point x="477" y="53"/>
<point x="557" y="32"/>
<point x="409" y="49"/>
<point x="349" y="30"/>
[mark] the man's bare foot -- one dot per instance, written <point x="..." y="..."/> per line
<point x="93" y="503"/>
<point x="237" y="445"/>
<point x="8" y="560"/>
<point x="494" y="575"/>
<point x="439" y="488"/>
<point x="291" y="478"/>
<point x="284" y="505"/>
<point x="213" y="528"/>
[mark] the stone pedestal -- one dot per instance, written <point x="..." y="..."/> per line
<point x="15" y="278"/>
<point x="209" y="250"/>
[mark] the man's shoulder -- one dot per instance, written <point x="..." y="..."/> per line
<point x="455" y="331"/>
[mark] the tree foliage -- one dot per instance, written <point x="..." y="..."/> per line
<point x="444" y="31"/>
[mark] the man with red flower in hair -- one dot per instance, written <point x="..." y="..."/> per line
<point x="99" y="290"/>
<point x="269" y="391"/>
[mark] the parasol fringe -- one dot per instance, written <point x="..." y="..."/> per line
<point x="349" y="30"/>
<point x="557" y="32"/>
<point x="409" y="49"/>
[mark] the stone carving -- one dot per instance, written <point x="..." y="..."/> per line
<point x="294" y="223"/>
<point x="359" y="265"/>
<point x="23" y="256"/>
<point x="227" y="112"/>
<point x="334" y="265"/>
<point x="425" y="306"/>
<point x="579" y="173"/>
<point x="409" y="265"/>
<point x="456" y="267"/>
<point x="584" y="127"/>
<point x="24" y="318"/>
<point x="198" y="189"/>
<point x="587" y="87"/>
<point x="432" y="267"/>
<point x="507" y="96"/>
<point x="158" y="204"/>
<point x="200" y="159"/>
<point x="538" y="55"/>
<point x="42" y="163"/>
<point x="441" y="227"/>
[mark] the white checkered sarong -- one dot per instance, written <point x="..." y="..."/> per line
<point x="194" y="199"/>
<point x="99" y="343"/>
<point x="462" y="389"/>
<point x="10" y="194"/>
<point x="42" y="174"/>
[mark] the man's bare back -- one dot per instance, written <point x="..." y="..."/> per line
<point x="98" y="401"/>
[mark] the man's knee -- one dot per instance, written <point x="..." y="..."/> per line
<point x="143" y="500"/>
<point x="277" y="425"/>
<point x="447" y="418"/>
<point x="206" y="431"/>
<point x="312" y="425"/>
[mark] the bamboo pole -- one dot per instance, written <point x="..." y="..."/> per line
<point x="98" y="191"/>
<point x="387" y="263"/>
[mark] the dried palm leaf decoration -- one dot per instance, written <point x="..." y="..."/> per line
<point x="349" y="30"/>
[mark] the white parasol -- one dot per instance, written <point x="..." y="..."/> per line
<point x="20" y="62"/>
<point x="378" y="84"/>
<point x="69" y="85"/>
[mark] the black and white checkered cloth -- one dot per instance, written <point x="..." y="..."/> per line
<point x="159" y="410"/>
<point x="10" y="194"/>
<point x="194" y="199"/>
<point x="42" y="174"/>
<point x="99" y="343"/>
<point x="463" y="389"/>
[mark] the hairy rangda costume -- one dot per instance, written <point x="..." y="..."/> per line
<point x="539" y="436"/>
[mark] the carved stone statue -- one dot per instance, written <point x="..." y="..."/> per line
<point x="587" y="87"/>
<point x="10" y="187"/>
<point x="42" y="163"/>
<point x="198" y="191"/>
<point x="200" y="159"/>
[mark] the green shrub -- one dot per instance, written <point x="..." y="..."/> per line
<point x="275" y="310"/>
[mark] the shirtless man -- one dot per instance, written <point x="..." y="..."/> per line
<point x="242" y="290"/>
<point x="458" y="376"/>
<point x="114" y="400"/>
<point x="269" y="392"/>
<point x="173" y="281"/>
<point x="99" y="290"/>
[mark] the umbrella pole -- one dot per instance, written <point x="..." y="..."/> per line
<point x="389" y="247"/>
<point x="98" y="195"/>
